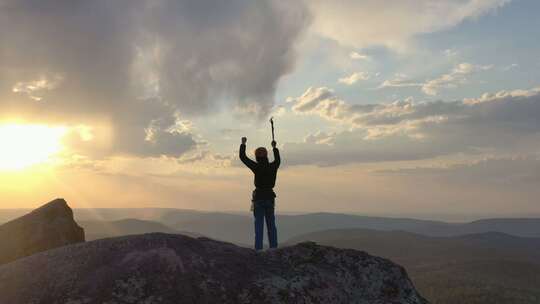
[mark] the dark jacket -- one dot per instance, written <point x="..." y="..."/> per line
<point x="265" y="174"/>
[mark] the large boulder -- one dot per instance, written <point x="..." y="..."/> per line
<point x="163" y="268"/>
<point x="47" y="227"/>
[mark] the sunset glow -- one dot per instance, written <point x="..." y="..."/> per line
<point x="26" y="145"/>
<point x="414" y="108"/>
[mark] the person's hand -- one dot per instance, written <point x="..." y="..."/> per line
<point x="244" y="140"/>
<point x="274" y="144"/>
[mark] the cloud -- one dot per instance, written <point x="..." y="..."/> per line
<point x="206" y="159"/>
<point x="505" y="122"/>
<point x="399" y="81"/>
<point x="33" y="88"/>
<point x="354" y="78"/>
<point x="500" y="172"/>
<point x="320" y="138"/>
<point x="451" y="80"/>
<point x="133" y="66"/>
<point x="510" y="67"/>
<point x="323" y="102"/>
<point x="358" y="56"/>
<point x="457" y="76"/>
<point x="391" y="23"/>
<point x="279" y="111"/>
<point x="450" y="52"/>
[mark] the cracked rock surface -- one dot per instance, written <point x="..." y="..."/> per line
<point x="164" y="268"/>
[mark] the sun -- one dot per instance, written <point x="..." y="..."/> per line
<point x="26" y="145"/>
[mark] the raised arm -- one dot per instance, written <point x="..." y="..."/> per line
<point x="277" y="158"/>
<point x="243" y="157"/>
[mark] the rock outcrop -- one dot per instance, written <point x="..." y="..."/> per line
<point x="47" y="227"/>
<point x="163" y="268"/>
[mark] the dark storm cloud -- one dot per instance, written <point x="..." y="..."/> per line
<point x="135" y="62"/>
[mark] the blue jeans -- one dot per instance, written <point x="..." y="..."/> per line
<point x="264" y="209"/>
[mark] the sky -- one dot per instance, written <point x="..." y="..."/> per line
<point x="401" y="107"/>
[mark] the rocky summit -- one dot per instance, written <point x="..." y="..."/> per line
<point x="164" y="268"/>
<point x="47" y="227"/>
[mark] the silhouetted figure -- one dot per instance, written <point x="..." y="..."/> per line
<point x="263" y="199"/>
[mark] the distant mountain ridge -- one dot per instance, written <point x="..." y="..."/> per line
<point x="400" y="244"/>
<point x="239" y="226"/>
<point x="105" y="229"/>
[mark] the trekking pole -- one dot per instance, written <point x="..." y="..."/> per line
<point x="272" y="123"/>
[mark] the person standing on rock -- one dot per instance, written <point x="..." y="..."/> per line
<point x="263" y="198"/>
